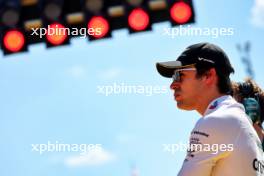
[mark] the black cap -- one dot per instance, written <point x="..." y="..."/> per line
<point x="200" y="54"/>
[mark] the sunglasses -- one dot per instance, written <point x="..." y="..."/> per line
<point x="177" y="75"/>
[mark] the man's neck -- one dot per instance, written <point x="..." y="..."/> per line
<point x="202" y="107"/>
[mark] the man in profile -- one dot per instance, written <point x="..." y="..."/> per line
<point x="200" y="80"/>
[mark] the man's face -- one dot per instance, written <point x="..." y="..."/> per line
<point x="188" y="89"/>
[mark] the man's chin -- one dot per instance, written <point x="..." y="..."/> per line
<point x="183" y="106"/>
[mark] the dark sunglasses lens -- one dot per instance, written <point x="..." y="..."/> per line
<point x="176" y="77"/>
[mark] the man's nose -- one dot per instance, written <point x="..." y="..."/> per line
<point x="174" y="85"/>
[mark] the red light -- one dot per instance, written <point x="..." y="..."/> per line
<point x="14" y="40"/>
<point x="138" y="19"/>
<point x="56" y="34"/>
<point x="181" y="12"/>
<point x="98" y="27"/>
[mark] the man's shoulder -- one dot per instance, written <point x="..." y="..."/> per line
<point x="226" y="117"/>
<point x="225" y="122"/>
<point x="227" y="114"/>
<point x="224" y="125"/>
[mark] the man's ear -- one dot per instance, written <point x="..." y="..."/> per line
<point x="210" y="76"/>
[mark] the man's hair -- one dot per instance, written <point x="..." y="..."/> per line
<point x="239" y="96"/>
<point x="224" y="83"/>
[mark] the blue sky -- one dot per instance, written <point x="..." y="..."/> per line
<point x="52" y="95"/>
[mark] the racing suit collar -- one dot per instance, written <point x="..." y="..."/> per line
<point x="216" y="103"/>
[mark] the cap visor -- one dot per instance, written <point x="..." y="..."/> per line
<point x="166" y="69"/>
